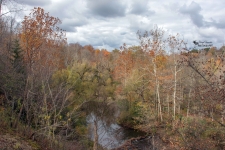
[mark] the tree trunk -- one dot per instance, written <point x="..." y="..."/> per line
<point x="1" y="7"/>
<point x="189" y="97"/>
<point x="95" y="147"/>
<point x="174" y="92"/>
<point x="159" y="101"/>
<point x="168" y="104"/>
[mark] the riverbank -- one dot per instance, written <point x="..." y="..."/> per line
<point x="11" y="142"/>
<point x="23" y="137"/>
<point x="143" y="143"/>
<point x="10" y="139"/>
<point x="182" y="133"/>
<point x="191" y="132"/>
<point x="149" y="141"/>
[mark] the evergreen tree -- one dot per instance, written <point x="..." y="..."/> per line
<point x="17" y="57"/>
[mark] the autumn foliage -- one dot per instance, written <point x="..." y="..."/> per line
<point x="158" y="86"/>
<point x="40" y="37"/>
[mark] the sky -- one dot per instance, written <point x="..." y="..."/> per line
<point x="110" y="23"/>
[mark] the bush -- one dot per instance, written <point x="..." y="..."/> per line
<point x="200" y="134"/>
<point x="132" y="113"/>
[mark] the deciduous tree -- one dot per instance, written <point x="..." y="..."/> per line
<point x="41" y="37"/>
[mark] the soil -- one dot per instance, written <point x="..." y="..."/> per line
<point x="9" y="142"/>
<point x="143" y="143"/>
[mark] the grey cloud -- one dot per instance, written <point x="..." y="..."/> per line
<point x="35" y="2"/>
<point x="210" y="32"/>
<point x="106" y="40"/>
<point x="70" y="24"/>
<point x="140" y="7"/>
<point x="68" y="28"/>
<point x="138" y="23"/>
<point x="123" y="33"/>
<point x="173" y="6"/>
<point x="112" y="41"/>
<point x="110" y="23"/>
<point x="100" y="36"/>
<point x="220" y="24"/>
<point x="193" y="10"/>
<point x="63" y="9"/>
<point x="197" y="20"/>
<point x="70" y="14"/>
<point x="107" y="8"/>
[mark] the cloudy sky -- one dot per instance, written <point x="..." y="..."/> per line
<point x="110" y="23"/>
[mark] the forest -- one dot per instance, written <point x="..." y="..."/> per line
<point x="49" y="87"/>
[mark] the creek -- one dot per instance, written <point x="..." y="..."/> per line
<point x="111" y="135"/>
<point x="102" y="119"/>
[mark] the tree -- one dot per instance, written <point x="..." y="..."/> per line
<point x="39" y="35"/>
<point x="6" y="3"/>
<point x="124" y="65"/>
<point x="17" y="56"/>
<point x="209" y="68"/>
<point x="41" y="41"/>
<point x="153" y="44"/>
<point x="175" y="45"/>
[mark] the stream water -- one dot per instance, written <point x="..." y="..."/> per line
<point x="110" y="135"/>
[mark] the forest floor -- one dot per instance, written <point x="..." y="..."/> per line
<point x="9" y="142"/>
<point x="12" y="142"/>
<point x="10" y="139"/>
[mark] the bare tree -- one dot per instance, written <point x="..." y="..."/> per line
<point x="153" y="44"/>
<point x="11" y="5"/>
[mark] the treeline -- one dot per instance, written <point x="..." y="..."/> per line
<point x="173" y="92"/>
<point x="45" y="82"/>
<point x="159" y="86"/>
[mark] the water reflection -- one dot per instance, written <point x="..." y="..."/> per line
<point x="110" y="135"/>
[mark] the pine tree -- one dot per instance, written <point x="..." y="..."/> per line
<point x="17" y="57"/>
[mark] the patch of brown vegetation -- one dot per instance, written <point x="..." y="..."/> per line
<point x="8" y="142"/>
